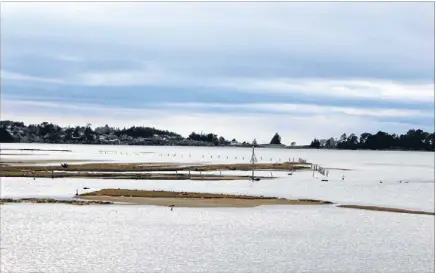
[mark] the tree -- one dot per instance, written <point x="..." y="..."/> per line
<point x="315" y="144"/>
<point x="89" y="134"/>
<point x="330" y="143"/>
<point x="222" y="140"/>
<point x="5" y="136"/>
<point x="76" y="132"/>
<point x="276" y="139"/>
<point x="254" y="142"/>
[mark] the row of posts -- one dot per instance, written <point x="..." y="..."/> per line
<point x="321" y="170"/>
<point x="300" y="160"/>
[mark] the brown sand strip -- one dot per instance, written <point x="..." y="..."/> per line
<point x="375" y="208"/>
<point x="197" y="202"/>
<point x="190" y="199"/>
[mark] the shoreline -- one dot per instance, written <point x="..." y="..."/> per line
<point x="386" y="209"/>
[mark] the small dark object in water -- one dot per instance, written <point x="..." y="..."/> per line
<point x="256" y="179"/>
<point x="172" y="206"/>
<point x="64" y="165"/>
<point x="324" y="180"/>
<point x="381" y="182"/>
<point x="86" y="188"/>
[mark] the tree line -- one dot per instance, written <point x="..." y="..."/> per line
<point x="12" y="131"/>
<point x="412" y="140"/>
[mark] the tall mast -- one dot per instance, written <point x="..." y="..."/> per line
<point x="253" y="160"/>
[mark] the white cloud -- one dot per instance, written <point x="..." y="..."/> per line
<point x="68" y="58"/>
<point x="158" y="76"/>
<point x="308" y="109"/>
<point x="11" y="76"/>
<point x="380" y="89"/>
<point x="317" y="28"/>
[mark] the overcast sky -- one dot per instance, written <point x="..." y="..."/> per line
<point x="244" y="70"/>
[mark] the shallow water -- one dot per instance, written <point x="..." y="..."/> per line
<point x="56" y="237"/>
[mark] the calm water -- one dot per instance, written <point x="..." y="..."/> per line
<point x="59" y="238"/>
<point x="62" y="238"/>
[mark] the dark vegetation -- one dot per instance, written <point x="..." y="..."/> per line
<point x="11" y="131"/>
<point x="412" y="140"/>
<point x="276" y="139"/>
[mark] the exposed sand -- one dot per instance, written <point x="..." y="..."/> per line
<point x="185" y="199"/>
<point x="386" y="209"/>
<point x="197" y="202"/>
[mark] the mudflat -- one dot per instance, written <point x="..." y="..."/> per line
<point x="139" y="170"/>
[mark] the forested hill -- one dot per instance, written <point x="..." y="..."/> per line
<point x="412" y="140"/>
<point x="11" y="131"/>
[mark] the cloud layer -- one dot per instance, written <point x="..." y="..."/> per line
<point x="303" y="69"/>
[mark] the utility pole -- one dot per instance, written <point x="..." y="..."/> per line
<point x="252" y="161"/>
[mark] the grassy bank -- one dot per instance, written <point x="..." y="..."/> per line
<point x="132" y="167"/>
<point x="53" y="201"/>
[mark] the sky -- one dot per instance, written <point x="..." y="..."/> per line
<point x="240" y="70"/>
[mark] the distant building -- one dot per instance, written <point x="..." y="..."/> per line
<point x="322" y="142"/>
<point x="235" y="143"/>
<point x="331" y="143"/>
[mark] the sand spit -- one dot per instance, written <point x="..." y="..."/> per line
<point x="190" y="199"/>
<point x="386" y="209"/>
